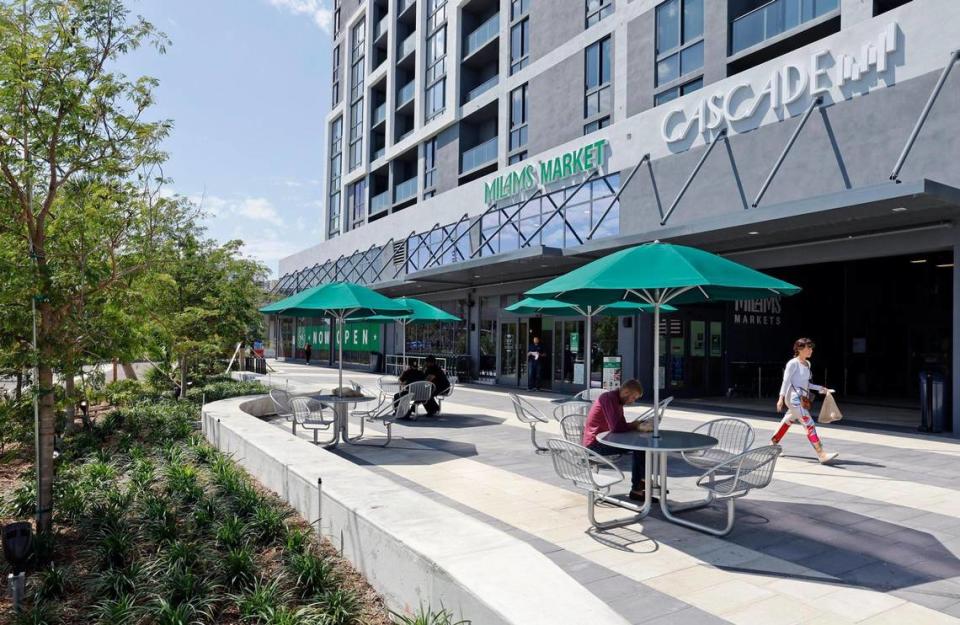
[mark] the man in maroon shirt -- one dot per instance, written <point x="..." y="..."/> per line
<point x="606" y="415"/>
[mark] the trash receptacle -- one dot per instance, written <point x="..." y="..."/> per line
<point x="376" y="359"/>
<point x="932" y="401"/>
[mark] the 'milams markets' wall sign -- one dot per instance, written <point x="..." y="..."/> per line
<point x="567" y="165"/>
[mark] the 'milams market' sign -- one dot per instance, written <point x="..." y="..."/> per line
<point x="567" y="165"/>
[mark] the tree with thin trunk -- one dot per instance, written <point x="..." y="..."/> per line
<point x="66" y="113"/>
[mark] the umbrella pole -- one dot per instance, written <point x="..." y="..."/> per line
<point x="586" y="358"/>
<point x="656" y="369"/>
<point x="340" y="350"/>
<point x="403" y="332"/>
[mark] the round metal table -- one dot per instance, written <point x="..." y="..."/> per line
<point x="570" y="400"/>
<point x="341" y="413"/>
<point x="656" y="471"/>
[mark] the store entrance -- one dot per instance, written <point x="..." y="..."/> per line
<point x="515" y="338"/>
<point x="692" y="351"/>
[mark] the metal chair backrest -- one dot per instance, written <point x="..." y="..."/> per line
<point x="302" y="408"/>
<point x="571" y="407"/>
<point x="573" y="426"/>
<point x="575" y="462"/>
<point x="401" y="407"/>
<point x="758" y="464"/>
<point x="590" y="394"/>
<point x="389" y="385"/>
<point x="526" y="412"/>
<point x="281" y="399"/>
<point x="420" y="391"/>
<point x="733" y="435"/>
<point x="453" y="383"/>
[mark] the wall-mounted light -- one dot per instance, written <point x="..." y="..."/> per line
<point x="900" y="209"/>
<point x="918" y="261"/>
<point x="753" y="232"/>
<point x="945" y="265"/>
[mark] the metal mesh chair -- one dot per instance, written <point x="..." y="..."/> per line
<point x="734" y="437"/>
<point x="590" y="394"/>
<point x="569" y="408"/>
<point x="389" y="385"/>
<point x="453" y="380"/>
<point x="529" y="414"/>
<point x="572" y="426"/>
<point x="647" y="414"/>
<point x="281" y="400"/>
<point x="310" y="414"/>
<point x="387" y="411"/>
<point x="575" y="463"/>
<point x="730" y="480"/>
<point x="419" y="392"/>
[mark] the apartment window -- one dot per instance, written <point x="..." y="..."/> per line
<point x="336" y="75"/>
<point x="597" y="10"/>
<point x="598" y="94"/>
<point x="358" y="203"/>
<point x="356" y="133"/>
<point x="675" y="92"/>
<point x="336" y="164"/>
<point x="357" y="71"/>
<point x="436" y="73"/>
<point x="437" y="14"/>
<point x="679" y="39"/>
<point x="518" y="8"/>
<point x="336" y="17"/>
<point x="429" y="166"/>
<point x="518" y="118"/>
<point x="516" y="158"/>
<point x="596" y="125"/>
<point x="519" y="45"/>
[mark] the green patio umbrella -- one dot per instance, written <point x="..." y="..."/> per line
<point x="657" y="274"/>
<point x="341" y="301"/>
<point x="421" y="312"/>
<point x="533" y="306"/>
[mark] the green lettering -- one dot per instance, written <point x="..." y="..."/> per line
<point x="527" y="177"/>
<point x="600" y="145"/>
<point x="546" y="172"/>
<point x="488" y="197"/>
<point x="577" y="157"/>
<point x="566" y="165"/>
<point x="588" y="157"/>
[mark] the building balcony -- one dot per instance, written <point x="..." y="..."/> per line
<point x="379" y="115"/>
<point x="380" y="203"/>
<point x="405" y="94"/>
<point x="479" y="155"/>
<point x="485" y="33"/>
<point x="482" y="87"/>
<point x="406" y="47"/>
<point x="775" y="18"/>
<point x="405" y="190"/>
<point x="378" y="154"/>
<point x="380" y="28"/>
<point x="403" y="5"/>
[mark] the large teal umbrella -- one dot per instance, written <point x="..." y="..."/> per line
<point x="657" y="274"/>
<point x="420" y="312"/>
<point x="532" y="306"/>
<point x="341" y="301"/>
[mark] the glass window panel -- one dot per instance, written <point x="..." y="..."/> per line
<point x="692" y="86"/>
<point x="605" y="100"/>
<point x="553" y="232"/>
<point x="605" y="56"/>
<point x="508" y="239"/>
<point x="691" y="59"/>
<point x="668" y="26"/>
<point x="579" y="219"/>
<point x="668" y="69"/>
<point x="593" y="66"/>
<point x="692" y="19"/>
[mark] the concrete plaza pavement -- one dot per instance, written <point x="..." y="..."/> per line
<point x="874" y="538"/>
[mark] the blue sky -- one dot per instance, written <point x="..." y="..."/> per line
<point x="247" y="84"/>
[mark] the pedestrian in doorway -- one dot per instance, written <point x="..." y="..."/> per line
<point x="795" y="398"/>
<point x="534" y="354"/>
<point x="307" y="351"/>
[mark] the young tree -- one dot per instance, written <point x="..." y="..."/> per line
<point x="66" y="113"/>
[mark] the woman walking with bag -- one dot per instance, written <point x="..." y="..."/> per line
<point x="796" y="390"/>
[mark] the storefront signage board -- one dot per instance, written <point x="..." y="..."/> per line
<point x="612" y="371"/>
<point x="357" y="336"/>
<point x="567" y="165"/>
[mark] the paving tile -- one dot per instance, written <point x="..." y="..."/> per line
<point x="687" y="616"/>
<point x="836" y="562"/>
<point x="796" y="549"/>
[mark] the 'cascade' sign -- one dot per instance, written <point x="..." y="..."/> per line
<point x="824" y="72"/>
<point x="568" y="164"/>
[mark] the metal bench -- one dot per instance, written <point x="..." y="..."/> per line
<point x="311" y="414"/>
<point x="529" y="414"/>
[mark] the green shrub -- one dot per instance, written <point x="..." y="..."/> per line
<point x="51" y="583"/>
<point x="340" y="606"/>
<point x="295" y="542"/>
<point x="123" y="392"/>
<point x="266" y="523"/>
<point x="117" y="583"/>
<point x="40" y="613"/>
<point x="261" y="598"/>
<point x="239" y="567"/>
<point x="121" y="610"/>
<point x="232" y="532"/>
<point x="224" y="389"/>
<point x="425" y="616"/>
<point x="314" y="575"/>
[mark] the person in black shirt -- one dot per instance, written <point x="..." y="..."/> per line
<point x="410" y="375"/>
<point x="307" y="351"/>
<point x="440" y="384"/>
<point x="534" y="354"/>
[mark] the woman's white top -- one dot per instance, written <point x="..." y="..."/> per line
<point x="797" y="375"/>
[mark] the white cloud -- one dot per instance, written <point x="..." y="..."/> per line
<point x="258" y="208"/>
<point x="314" y="9"/>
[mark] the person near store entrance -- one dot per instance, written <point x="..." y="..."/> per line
<point x="534" y="354"/>
<point x="606" y="415"/>
<point x="796" y="389"/>
<point x="433" y="373"/>
<point x="307" y="352"/>
<point x="410" y="375"/>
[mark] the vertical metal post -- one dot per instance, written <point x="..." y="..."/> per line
<point x="793" y="138"/>
<point x="589" y="352"/>
<point x="895" y="174"/>
<point x="759" y="381"/>
<point x="656" y="367"/>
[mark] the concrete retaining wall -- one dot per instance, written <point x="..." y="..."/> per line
<point x="412" y="549"/>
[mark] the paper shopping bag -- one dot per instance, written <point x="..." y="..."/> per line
<point x="829" y="411"/>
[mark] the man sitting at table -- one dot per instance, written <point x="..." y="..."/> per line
<point x="441" y="384"/>
<point x="606" y="415"/>
<point x="410" y="375"/>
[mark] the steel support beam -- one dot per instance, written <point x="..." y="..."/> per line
<point x="543" y="224"/>
<point x="816" y="102"/>
<point x="616" y="197"/>
<point x="686" y="185"/>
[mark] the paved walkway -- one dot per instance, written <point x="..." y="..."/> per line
<point x="873" y="539"/>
